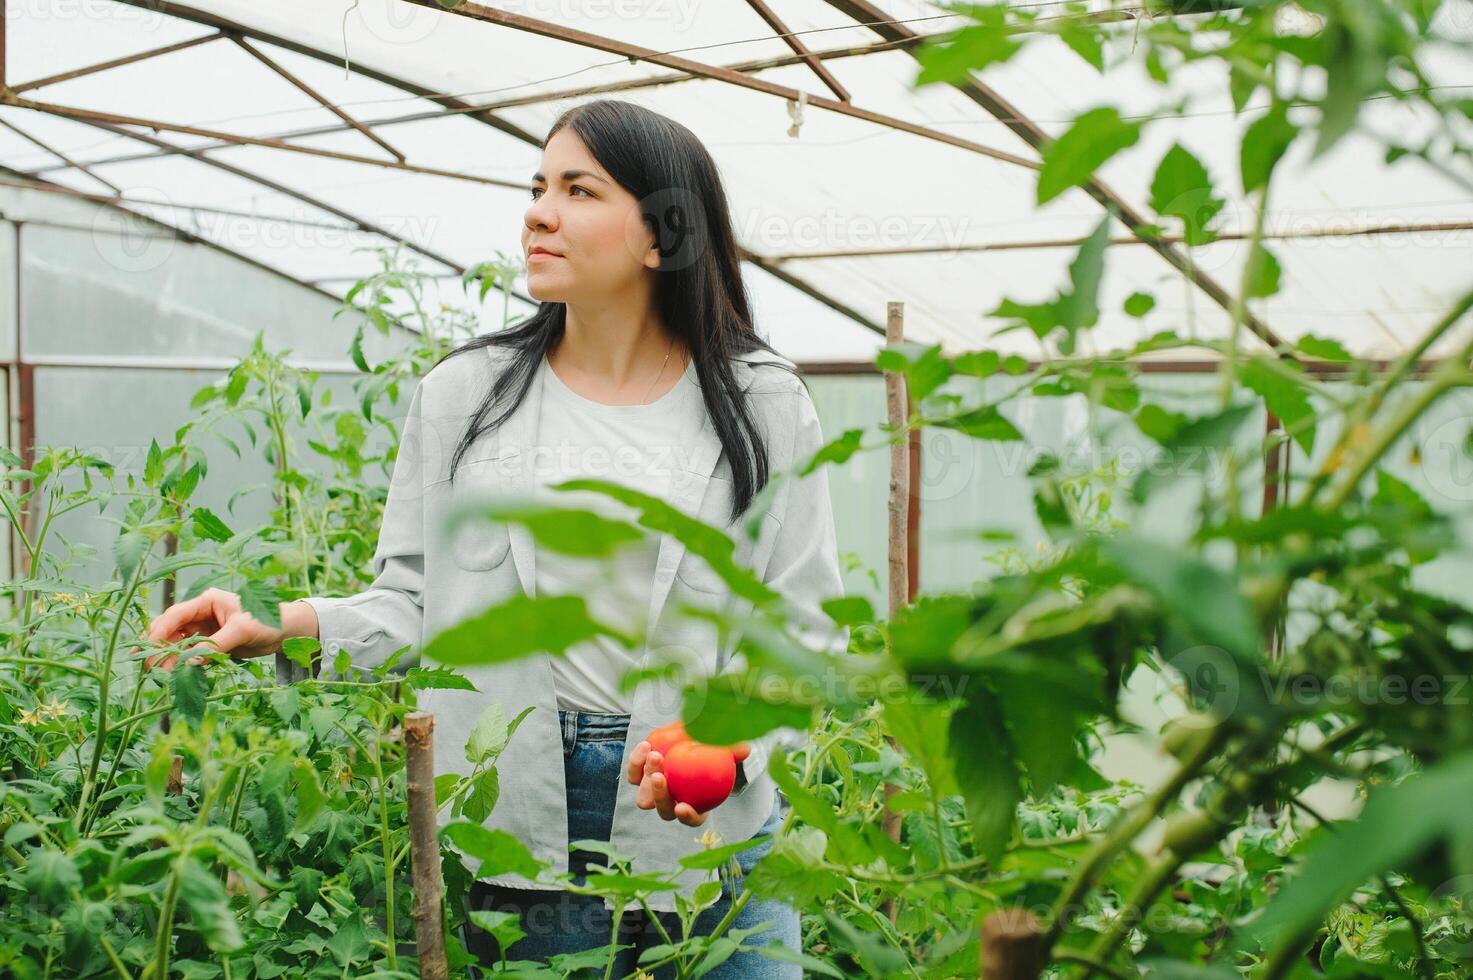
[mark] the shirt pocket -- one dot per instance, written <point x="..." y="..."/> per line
<point x="694" y="572"/>
<point x="479" y="544"/>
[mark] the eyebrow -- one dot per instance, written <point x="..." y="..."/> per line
<point x="569" y="175"/>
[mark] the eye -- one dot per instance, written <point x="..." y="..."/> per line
<point x="576" y="187"/>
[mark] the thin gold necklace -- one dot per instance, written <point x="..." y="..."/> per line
<point x="662" y="371"/>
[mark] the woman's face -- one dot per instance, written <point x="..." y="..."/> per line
<point x="602" y="247"/>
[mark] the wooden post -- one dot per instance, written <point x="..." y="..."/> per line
<point x="424" y="845"/>
<point x="897" y="410"/>
<point x="1012" y="946"/>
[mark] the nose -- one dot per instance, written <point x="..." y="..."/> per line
<point x="541" y="215"/>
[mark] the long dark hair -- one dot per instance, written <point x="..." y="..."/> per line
<point x="699" y="294"/>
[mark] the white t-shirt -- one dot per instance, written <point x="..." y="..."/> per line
<point x="643" y="447"/>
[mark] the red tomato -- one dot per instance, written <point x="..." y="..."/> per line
<point x="665" y="737"/>
<point x="699" y="774"/>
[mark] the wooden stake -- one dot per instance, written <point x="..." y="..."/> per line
<point x="424" y="845"/>
<point x="1012" y="946"/>
<point x="898" y="411"/>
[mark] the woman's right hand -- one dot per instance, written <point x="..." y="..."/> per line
<point x="216" y="614"/>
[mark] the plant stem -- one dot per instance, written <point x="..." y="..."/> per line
<point x="103" y="682"/>
<point x="1125" y="830"/>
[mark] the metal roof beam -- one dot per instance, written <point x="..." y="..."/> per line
<point x="1033" y="134"/>
<point x="799" y="48"/>
<point x="542" y="28"/>
<point x="67" y="76"/>
<point x="208" y="19"/>
<point x="315" y="96"/>
<point x="114" y="119"/>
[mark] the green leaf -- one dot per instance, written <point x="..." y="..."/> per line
<point x="985" y="423"/>
<point x="209" y="526"/>
<point x="485" y="791"/>
<point x="153" y="464"/>
<point x="1264" y="144"/>
<point x="699" y="538"/>
<point x="1201" y="595"/>
<point x="567" y="530"/>
<point x="299" y="650"/>
<point x="51" y="875"/>
<point x="1072" y="159"/>
<point x="924" y="367"/>
<point x="191" y="686"/>
<point x="310" y="798"/>
<point x="1182" y="189"/>
<point x="1325" y="348"/>
<point x="987" y="42"/>
<point x="202" y="895"/>
<point x="1079" y="307"/>
<point x="986" y="771"/>
<point x="498" y="851"/>
<point x="1396" y="824"/>
<point x="489" y="735"/>
<point x="504" y="927"/>
<point x="129" y="550"/>
<point x="1159" y="423"/>
<point x="1084" y="39"/>
<point x="263" y="601"/>
<point x="1189" y="448"/>
<point x="519" y="627"/>
<point x="921" y="727"/>
<point x="734" y="706"/>
<point x="793" y="869"/>
<point x="1283" y="393"/>
<point x="1263" y="280"/>
<point x="1138" y="304"/>
<point x="438" y="678"/>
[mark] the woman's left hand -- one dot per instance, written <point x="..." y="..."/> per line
<point x="644" y="771"/>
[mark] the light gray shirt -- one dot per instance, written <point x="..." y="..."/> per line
<point x="426" y="581"/>
<point x="638" y="446"/>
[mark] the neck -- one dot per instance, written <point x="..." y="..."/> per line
<point x="617" y="349"/>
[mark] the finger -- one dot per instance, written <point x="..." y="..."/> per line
<point x="161" y="661"/>
<point x="687" y="815"/>
<point x="634" y="771"/>
<point x="233" y="634"/>
<point x="170" y="620"/>
<point x="663" y="801"/>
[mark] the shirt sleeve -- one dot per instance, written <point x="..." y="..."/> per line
<point x="804" y="569"/>
<point x="389" y="615"/>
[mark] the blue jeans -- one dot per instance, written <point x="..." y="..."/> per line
<point x="564" y="922"/>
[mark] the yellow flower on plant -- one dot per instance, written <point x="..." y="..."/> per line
<point x="708" y="839"/>
<point x="42" y="712"/>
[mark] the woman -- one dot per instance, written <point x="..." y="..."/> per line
<point x="641" y="366"/>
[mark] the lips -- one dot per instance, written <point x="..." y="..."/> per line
<point x="542" y="251"/>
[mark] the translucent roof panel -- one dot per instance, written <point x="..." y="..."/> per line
<point x="387" y="123"/>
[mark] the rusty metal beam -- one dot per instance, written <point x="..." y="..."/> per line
<point x="1315" y="368"/>
<point x="33" y="183"/>
<point x="813" y="292"/>
<point x="1389" y="228"/>
<point x="67" y="76"/>
<point x="114" y="119"/>
<point x="531" y="25"/>
<point x="208" y="19"/>
<point x="1034" y="135"/>
<point x="561" y="95"/>
<point x="60" y="156"/>
<point x="799" y="48"/>
<point x="360" y="224"/>
<point x="313" y="94"/>
<point x="487" y="118"/>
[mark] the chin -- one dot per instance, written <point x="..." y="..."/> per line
<point x="545" y="292"/>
